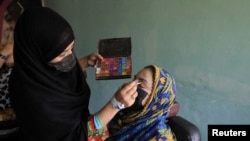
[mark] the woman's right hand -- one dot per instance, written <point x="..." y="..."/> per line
<point x="127" y="93"/>
<point x="8" y="52"/>
<point x="7" y="49"/>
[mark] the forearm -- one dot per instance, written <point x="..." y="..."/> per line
<point x="97" y="123"/>
<point x="107" y="113"/>
<point x="121" y="99"/>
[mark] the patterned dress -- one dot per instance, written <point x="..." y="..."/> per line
<point x="4" y="93"/>
<point x="150" y="123"/>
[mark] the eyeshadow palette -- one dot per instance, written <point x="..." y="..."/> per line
<point x="117" y="62"/>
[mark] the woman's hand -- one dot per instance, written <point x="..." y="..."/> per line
<point x="8" y="52"/>
<point x="7" y="49"/>
<point x="89" y="60"/>
<point x="127" y="93"/>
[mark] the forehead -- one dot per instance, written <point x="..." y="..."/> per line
<point x="146" y="74"/>
<point x="70" y="46"/>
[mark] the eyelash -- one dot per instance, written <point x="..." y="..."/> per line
<point x="141" y="85"/>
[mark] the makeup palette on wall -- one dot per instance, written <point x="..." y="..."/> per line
<point x="117" y="62"/>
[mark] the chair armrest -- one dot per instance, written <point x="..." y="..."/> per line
<point x="8" y="133"/>
<point x="9" y="130"/>
<point x="183" y="129"/>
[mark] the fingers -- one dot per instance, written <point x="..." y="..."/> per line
<point x="92" y="59"/>
<point x="95" y="56"/>
<point x="89" y="60"/>
<point x="127" y="93"/>
<point x="128" y="86"/>
<point x="98" y="56"/>
<point x="133" y="96"/>
<point x="8" y="49"/>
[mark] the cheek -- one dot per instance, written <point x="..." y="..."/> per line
<point x="145" y="100"/>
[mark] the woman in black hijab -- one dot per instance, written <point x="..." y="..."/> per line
<point x="49" y="93"/>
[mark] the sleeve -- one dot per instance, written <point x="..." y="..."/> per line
<point x="95" y="134"/>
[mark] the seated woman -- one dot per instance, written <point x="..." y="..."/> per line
<point x="6" y="59"/>
<point x="6" y="64"/>
<point x="145" y="119"/>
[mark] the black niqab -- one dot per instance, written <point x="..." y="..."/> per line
<point x="50" y="105"/>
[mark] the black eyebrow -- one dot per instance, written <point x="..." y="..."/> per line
<point x="142" y="80"/>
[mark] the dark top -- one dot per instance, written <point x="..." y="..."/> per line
<point x="50" y="105"/>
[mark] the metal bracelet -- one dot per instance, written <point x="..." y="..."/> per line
<point x="116" y="104"/>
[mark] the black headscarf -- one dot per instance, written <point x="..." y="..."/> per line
<point x="50" y="105"/>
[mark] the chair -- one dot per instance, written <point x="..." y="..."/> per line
<point x="8" y="130"/>
<point x="183" y="129"/>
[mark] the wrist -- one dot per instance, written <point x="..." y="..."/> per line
<point x="97" y="121"/>
<point x="83" y="63"/>
<point x="116" y="104"/>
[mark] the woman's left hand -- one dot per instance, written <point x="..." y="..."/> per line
<point x="89" y="60"/>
